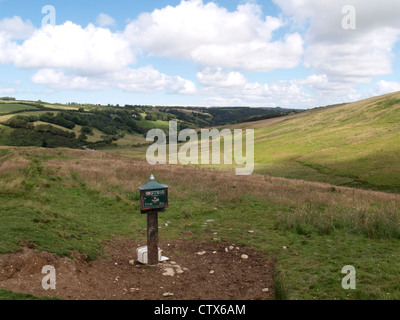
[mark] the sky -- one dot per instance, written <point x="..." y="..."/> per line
<point x="257" y="53"/>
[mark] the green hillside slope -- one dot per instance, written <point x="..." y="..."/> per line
<point x="356" y="144"/>
<point x="109" y="126"/>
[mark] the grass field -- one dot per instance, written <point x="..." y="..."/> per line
<point x="147" y="124"/>
<point x="353" y="145"/>
<point x="299" y="204"/>
<point x="6" y="117"/>
<point x="60" y="106"/>
<point x="8" y="109"/>
<point x="13" y="107"/>
<point x="63" y="199"/>
<point x="97" y="134"/>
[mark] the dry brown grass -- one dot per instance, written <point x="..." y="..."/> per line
<point x="320" y="205"/>
<point x="104" y="171"/>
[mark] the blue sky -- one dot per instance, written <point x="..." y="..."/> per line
<point x="290" y="53"/>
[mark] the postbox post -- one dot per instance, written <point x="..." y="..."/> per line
<point x="153" y="199"/>
<point x="152" y="237"/>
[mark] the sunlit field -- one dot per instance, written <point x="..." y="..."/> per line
<point x="64" y="199"/>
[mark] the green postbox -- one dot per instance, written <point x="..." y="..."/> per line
<point x="153" y="199"/>
<point x="153" y="196"/>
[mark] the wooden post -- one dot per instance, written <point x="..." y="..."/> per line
<point x="153" y="199"/>
<point x="152" y="237"/>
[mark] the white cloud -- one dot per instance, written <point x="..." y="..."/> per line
<point x="315" y="90"/>
<point x="224" y="45"/>
<point x="16" y="28"/>
<point x="7" y="49"/>
<point x="104" y="20"/>
<point x="352" y="56"/>
<point x="57" y="79"/>
<point x="89" y="50"/>
<point x="256" y="56"/>
<point x="356" y="61"/>
<point x="323" y="86"/>
<point x="383" y="87"/>
<point x="182" y="86"/>
<point x="144" y="80"/>
<point x="147" y="79"/>
<point x="70" y="57"/>
<point x="7" y="90"/>
<point x="222" y="92"/>
<point x="217" y="77"/>
<point x="277" y="93"/>
<point x="210" y="35"/>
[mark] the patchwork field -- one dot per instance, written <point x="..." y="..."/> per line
<point x="13" y="107"/>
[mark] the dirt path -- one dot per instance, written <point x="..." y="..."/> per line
<point x="195" y="271"/>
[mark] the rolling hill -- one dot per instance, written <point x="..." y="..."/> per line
<point x="42" y="124"/>
<point x="356" y="144"/>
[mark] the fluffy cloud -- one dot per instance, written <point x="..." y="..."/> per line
<point x="7" y="90"/>
<point x="145" y="80"/>
<point x="217" y="77"/>
<point x="352" y="56"/>
<point x="256" y="56"/>
<point x="383" y="87"/>
<point x="279" y="93"/>
<point x="12" y="29"/>
<point x="232" y="88"/>
<point x="90" y="50"/>
<point x="58" y="79"/>
<point x="325" y="87"/>
<point x="224" y="45"/>
<point x="210" y="35"/>
<point x="7" y="49"/>
<point x="104" y="20"/>
<point x="70" y="57"/>
<point x="16" y="28"/>
<point x="356" y="61"/>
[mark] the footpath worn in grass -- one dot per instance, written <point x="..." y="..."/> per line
<point x="57" y="214"/>
<point x="63" y="200"/>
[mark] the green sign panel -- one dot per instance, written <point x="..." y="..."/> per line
<point x="154" y="199"/>
<point x="153" y="196"/>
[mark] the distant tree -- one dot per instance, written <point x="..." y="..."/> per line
<point x="19" y="122"/>
<point x="82" y="137"/>
<point x="87" y="130"/>
<point x="151" y="117"/>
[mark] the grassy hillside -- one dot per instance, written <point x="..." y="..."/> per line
<point x="8" y="107"/>
<point x="355" y="144"/>
<point x="63" y="200"/>
<point x="109" y="126"/>
<point x="59" y="200"/>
